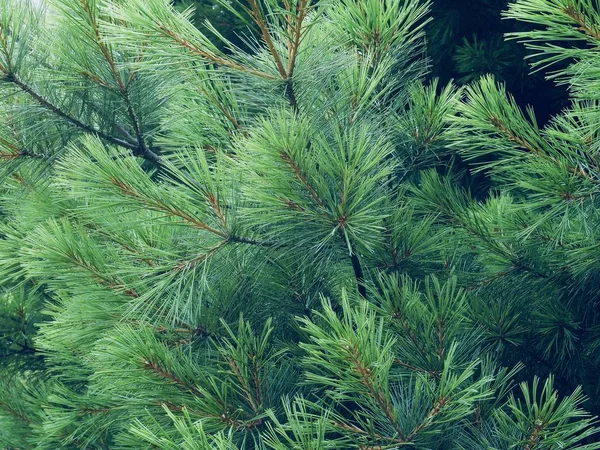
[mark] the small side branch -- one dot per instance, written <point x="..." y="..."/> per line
<point x="164" y="373"/>
<point x="46" y="104"/>
<point x="209" y="56"/>
<point x="530" y="148"/>
<point x="142" y="149"/>
<point x="287" y="158"/>
<point x="259" y="19"/>
<point x="291" y="95"/>
<point x="589" y="29"/>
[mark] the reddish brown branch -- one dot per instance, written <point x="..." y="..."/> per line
<point x="589" y="29"/>
<point x="297" y="35"/>
<point x="160" y="206"/>
<point x="209" y="56"/>
<point x="301" y="177"/>
<point x="157" y="369"/>
<point x="257" y="15"/>
<point x="523" y="143"/>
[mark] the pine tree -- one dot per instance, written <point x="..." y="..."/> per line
<point x="274" y="247"/>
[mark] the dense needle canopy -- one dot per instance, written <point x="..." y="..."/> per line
<point x="293" y="239"/>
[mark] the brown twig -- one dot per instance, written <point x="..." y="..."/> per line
<point x="142" y="150"/>
<point x="160" y="206"/>
<point x="523" y="143"/>
<point x="301" y="177"/>
<point x="157" y="369"/>
<point x="297" y="35"/>
<point x="259" y="19"/>
<point x="591" y="30"/>
<point x="62" y="114"/>
<point x="209" y="56"/>
<point x="365" y="374"/>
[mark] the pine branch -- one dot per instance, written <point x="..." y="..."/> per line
<point x="221" y="107"/>
<point x="259" y="19"/>
<point x="245" y="240"/>
<point x="18" y="152"/>
<point x="15" y="412"/>
<point x="524" y="144"/>
<point x="209" y="56"/>
<point x="147" y="154"/>
<point x="355" y="260"/>
<point x="142" y="150"/>
<point x="164" y="207"/>
<point x="432" y="373"/>
<point x="291" y="95"/>
<point x="411" y="335"/>
<point x="60" y="113"/>
<point x="163" y="373"/>
<point x="21" y="154"/>
<point x="301" y="13"/>
<point x="534" y="437"/>
<point x="287" y="158"/>
<point x="355" y="429"/>
<point x="102" y="278"/>
<point x="589" y="29"/>
<point x="194" y="262"/>
<point x="435" y="411"/>
<point x="254" y="401"/>
<point x="384" y="403"/>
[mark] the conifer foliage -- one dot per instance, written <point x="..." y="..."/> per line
<point x="278" y="247"/>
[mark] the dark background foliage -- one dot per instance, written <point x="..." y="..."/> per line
<point x="465" y="40"/>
